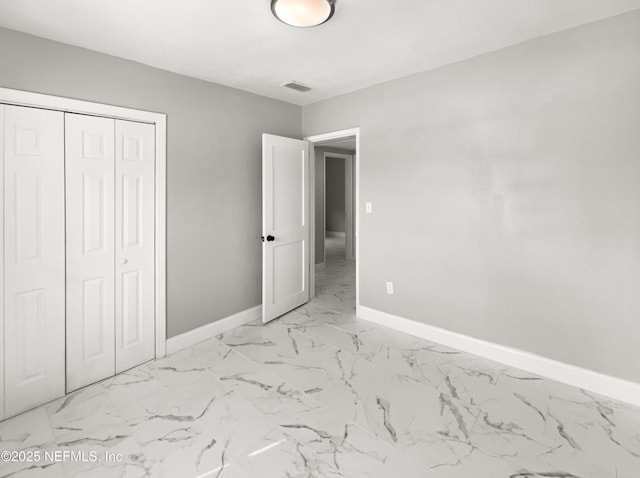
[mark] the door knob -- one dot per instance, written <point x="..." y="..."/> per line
<point x="123" y="261"/>
<point x="270" y="238"/>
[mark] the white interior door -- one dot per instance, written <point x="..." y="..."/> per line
<point x="285" y="225"/>
<point x="135" y="243"/>
<point x="34" y="261"/>
<point x="89" y="172"/>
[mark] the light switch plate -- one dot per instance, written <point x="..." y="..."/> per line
<point x="368" y="207"/>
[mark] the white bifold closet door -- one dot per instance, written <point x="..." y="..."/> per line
<point x="90" y="176"/>
<point x="110" y="177"/>
<point x="34" y="267"/>
<point x="135" y="244"/>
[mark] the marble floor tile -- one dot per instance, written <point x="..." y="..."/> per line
<point x="29" y="432"/>
<point x="279" y="455"/>
<point x="311" y="315"/>
<point x="132" y="385"/>
<point x="316" y="428"/>
<point x="210" y="445"/>
<point x="91" y="425"/>
<point x="321" y="393"/>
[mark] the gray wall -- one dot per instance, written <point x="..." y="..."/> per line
<point x="335" y="191"/>
<point x="506" y="194"/>
<point x="213" y="170"/>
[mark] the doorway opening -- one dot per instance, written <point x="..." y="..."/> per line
<point x="334" y="224"/>
<point x="338" y="207"/>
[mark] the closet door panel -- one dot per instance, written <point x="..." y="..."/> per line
<point x="89" y="144"/>
<point x="135" y="244"/>
<point x="34" y="259"/>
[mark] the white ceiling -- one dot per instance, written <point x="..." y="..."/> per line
<point x="239" y="43"/>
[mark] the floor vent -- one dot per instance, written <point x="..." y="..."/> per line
<point x="294" y="85"/>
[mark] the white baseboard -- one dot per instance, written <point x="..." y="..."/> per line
<point x="206" y="332"/>
<point x="335" y="234"/>
<point x="600" y="383"/>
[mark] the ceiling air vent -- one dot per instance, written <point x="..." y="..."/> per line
<point x="294" y="85"/>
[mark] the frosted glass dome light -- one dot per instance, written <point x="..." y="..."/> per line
<point x="303" y="13"/>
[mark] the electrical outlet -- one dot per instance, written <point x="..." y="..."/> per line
<point x="390" y="288"/>
<point x="368" y="207"/>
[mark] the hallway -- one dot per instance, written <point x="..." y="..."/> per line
<point x="336" y="281"/>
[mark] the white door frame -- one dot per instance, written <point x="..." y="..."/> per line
<point x="314" y="140"/>
<point x="348" y="205"/>
<point x="69" y="105"/>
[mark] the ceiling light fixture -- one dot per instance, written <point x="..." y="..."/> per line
<point x="303" y="13"/>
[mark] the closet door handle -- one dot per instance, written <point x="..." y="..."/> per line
<point x="123" y="261"/>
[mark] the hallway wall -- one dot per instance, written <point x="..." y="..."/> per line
<point x="335" y="202"/>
